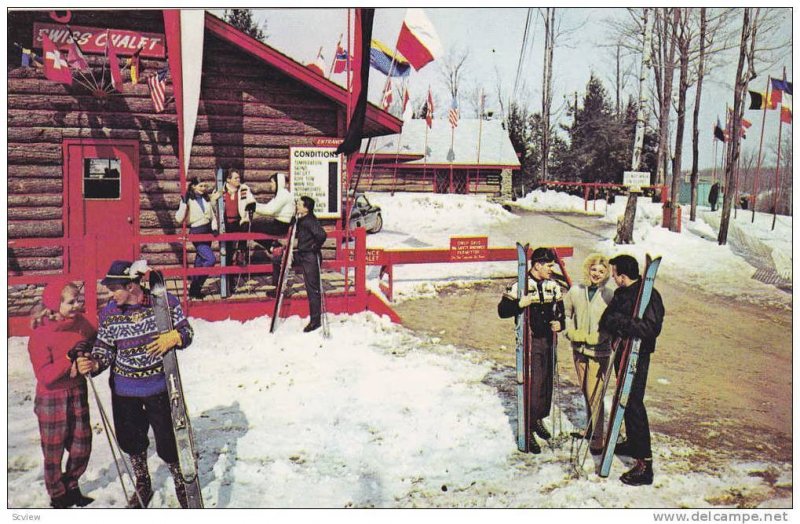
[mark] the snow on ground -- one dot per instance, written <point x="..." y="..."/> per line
<point x="376" y="416"/>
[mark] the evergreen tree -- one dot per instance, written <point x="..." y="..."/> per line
<point x="242" y="19"/>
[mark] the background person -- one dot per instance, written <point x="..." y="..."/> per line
<point x="197" y="207"/>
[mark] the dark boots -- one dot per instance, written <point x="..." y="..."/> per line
<point x="77" y="498"/>
<point x="540" y="430"/>
<point x="180" y="486"/>
<point x="143" y="487"/>
<point x="640" y="474"/>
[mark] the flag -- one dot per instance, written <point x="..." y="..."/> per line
<point x="758" y="100"/>
<point x="719" y="134"/>
<point x="418" y="40"/>
<point x="157" y="82"/>
<point x="452" y="114"/>
<point x="29" y="58"/>
<point x="75" y="57"/>
<point x="408" y="112"/>
<point x="746" y="123"/>
<point x="786" y="114"/>
<point x="135" y="66"/>
<point x="361" y="48"/>
<point x="113" y="64"/>
<point x="340" y="61"/>
<point x="387" y="98"/>
<point x="782" y="85"/>
<point x="429" y="109"/>
<point x="380" y="57"/>
<point x="55" y="67"/>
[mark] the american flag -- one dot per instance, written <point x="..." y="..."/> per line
<point x="452" y="114"/>
<point x="157" y="82"/>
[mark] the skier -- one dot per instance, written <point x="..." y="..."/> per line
<point x="128" y="343"/>
<point x="617" y="321"/>
<point x="545" y="317"/>
<point x="61" y="404"/>
<point x="310" y="237"/>
<point x="202" y="220"/>
<point x="713" y="195"/>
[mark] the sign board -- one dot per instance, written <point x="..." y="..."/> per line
<point x="468" y="249"/>
<point x="636" y="179"/>
<point x="92" y="40"/>
<point x="317" y="172"/>
<point x="375" y="257"/>
<point x="326" y="141"/>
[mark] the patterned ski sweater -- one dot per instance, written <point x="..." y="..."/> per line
<point x="122" y="337"/>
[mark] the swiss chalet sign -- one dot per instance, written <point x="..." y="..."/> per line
<point x="94" y="39"/>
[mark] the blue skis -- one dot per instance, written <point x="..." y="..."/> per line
<point x="521" y="331"/>
<point x="629" y="361"/>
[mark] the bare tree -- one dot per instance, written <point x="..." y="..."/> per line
<point x="682" y="44"/>
<point x="665" y="42"/>
<point x="452" y="67"/>
<point x="696" y="115"/>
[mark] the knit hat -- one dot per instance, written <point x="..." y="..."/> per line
<point x="119" y="273"/>
<point x="51" y="296"/>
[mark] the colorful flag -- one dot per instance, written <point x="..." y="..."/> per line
<point x="786" y="114"/>
<point x="387" y="98"/>
<point x="55" y="67"/>
<point x="384" y="60"/>
<point x="746" y="123"/>
<point x="429" y="109"/>
<point x="75" y="57"/>
<point x="782" y="85"/>
<point x="29" y="58"/>
<point x="759" y="100"/>
<point x="340" y="62"/>
<point x="113" y="64"/>
<point x="719" y="134"/>
<point x="157" y="82"/>
<point x="135" y="66"/>
<point x="418" y="40"/>
<point x="452" y="114"/>
<point x="408" y="112"/>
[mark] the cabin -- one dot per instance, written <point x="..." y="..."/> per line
<point x="94" y="169"/>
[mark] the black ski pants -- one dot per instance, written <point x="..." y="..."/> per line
<point x="542" y="377"/>
<point x="133" y="416"/>
<point x="309" y="260"/>
<point x="637" y="427"/>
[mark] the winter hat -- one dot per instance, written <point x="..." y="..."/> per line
<point x="51" y="296"/>
<point x="120" y="272"/>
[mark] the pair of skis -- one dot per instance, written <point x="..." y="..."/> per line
<point x="181" y="425"/>
<point x="286" y="265"/>
<point x="523" y="353"/>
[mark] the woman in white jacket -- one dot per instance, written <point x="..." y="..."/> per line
<point x="197" y="208"/>
<point x="584" y="305"/>
<point x="279" y="213"/>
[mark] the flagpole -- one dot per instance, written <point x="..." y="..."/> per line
<point x="714" y="172"/>
<point x="81" y="51"/>
<point x="760" y="145"/>
<point x="452" y="140"/>
<point x="778" y="163"/>
<point x="333" y="62"/>
<point x="480" y="131"/>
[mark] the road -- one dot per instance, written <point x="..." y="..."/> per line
<point x="721" y="377"/>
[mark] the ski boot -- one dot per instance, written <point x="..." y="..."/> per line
<point x="640" y="474"/>
<point x="180" y="486"/>
<point x="533" y="446"/>
<point x="540" y="430"/>
<point x="143" y="486"/>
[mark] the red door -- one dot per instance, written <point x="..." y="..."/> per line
<point x="103" y="199"/>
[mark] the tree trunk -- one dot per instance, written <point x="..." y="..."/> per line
<point x="683" y="85"/>
<point x="696" y="115"/>
<point x="547" y="86"/>
<point x="669" y="40"/>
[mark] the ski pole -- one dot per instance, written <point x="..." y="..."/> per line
<point x="326" y="332"/>
<point x="112" y="442"/>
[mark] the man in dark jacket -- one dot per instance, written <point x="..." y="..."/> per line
<point x="545" y="310"/>
<point x="713" y="196"/>
<point x="619" y="322"/>
<point x="310" y="237"/>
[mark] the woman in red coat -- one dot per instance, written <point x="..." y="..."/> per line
<point x="61" y="403"/>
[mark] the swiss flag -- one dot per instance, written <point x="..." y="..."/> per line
<point x="55" y="66"/>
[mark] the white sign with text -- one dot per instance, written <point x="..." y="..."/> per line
<point x="317" y="172"/>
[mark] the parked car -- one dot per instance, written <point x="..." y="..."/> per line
<point x="365" y="215"/>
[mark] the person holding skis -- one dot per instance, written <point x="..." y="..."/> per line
<point x="618" y="321"/>
<point x="545" y="309"/>
<point x="197" y="206"/>
<point x="310" y="237"/>
<point x="61" y="403"/>
<point x="128" y="342"/>
<point x="584" y="303"/>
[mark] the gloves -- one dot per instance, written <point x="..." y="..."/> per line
<point x="81" y="349"/>
<point x="163" y="343"/>
<point x="250" y="208"/>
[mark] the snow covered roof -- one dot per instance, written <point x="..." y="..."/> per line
<point x="495" y="144"/>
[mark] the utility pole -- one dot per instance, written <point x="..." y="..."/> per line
<point x="547" y="85"/>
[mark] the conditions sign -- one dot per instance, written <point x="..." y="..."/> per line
<point x="317" y="172"/>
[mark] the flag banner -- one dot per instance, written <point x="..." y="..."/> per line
<point x="340" y="62"/>
<point x="775" y="98"/>
<point x="452" y="114"/>
<point x="387" y="98"/>
<point x="408" y="112"/>
<point x="418" y="40"/>
<point x="380" y="57"/>
<point x="363" y="35"/>
<point x="55" y="67"/>
<point x="29" y="58"/>
<point x="719" y="134"/>
<point x="429" y="109"/>
<point x="786" y="114"/>
<point x="746" y="123"/>
<point x="75" y="58"/>
<point x="760" y="100"/>
<point x="157" y="82"/>
<point x="782" y="85"/>
<point x="135" y="65"/>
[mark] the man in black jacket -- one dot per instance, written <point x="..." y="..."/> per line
<point x="619" y="322"/>
<point x="310" y="237"/>
<point x="545" y="310"/>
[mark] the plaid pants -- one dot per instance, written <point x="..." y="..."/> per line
<point x="64" y="425"/>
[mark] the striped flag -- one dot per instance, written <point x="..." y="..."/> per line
<point x="157" y="82"/>
<point x="340" y="61"/>
<point x="418" y="40"/>
<point x="452" y="114"/>
<point x="386" y="101"/>
<point x="429" y="109"/>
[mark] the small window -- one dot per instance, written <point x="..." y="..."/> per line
<point x="101" y="179"/>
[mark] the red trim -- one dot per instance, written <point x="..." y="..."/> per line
<point x="297" y="71"/>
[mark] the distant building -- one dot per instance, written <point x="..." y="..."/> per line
<point x="476" y="157"/>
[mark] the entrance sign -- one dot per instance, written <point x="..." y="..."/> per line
<point x="635" y="180"/>
<point x="468" y="249"/>
<point x="317" y="172"/>
<point x="93" y="39"/>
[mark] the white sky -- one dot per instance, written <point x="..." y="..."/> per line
<point x="494" y="36"/>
